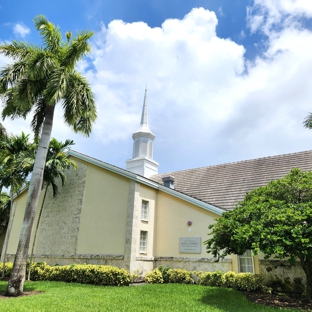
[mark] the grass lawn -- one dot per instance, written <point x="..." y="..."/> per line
<point x="67" y="297"/>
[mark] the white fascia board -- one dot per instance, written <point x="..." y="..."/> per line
<point x="147" y="182"/>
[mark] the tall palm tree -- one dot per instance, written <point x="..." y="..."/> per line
<point x="13" y="174"/>
<point x="39" y="78"/>
<point x="56" y="163"/>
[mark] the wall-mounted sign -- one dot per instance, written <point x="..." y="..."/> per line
<point x="190" y="244"/>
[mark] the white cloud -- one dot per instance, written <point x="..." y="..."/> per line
<point x="220" y="11"/>
<point x="265" y="15"/>
<point x="207" y="104"/>
<point x="21" y="30"/>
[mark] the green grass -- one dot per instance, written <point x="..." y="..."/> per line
<point x="60" y="297"/>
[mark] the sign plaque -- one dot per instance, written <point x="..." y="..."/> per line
<point x="190" y="244"/>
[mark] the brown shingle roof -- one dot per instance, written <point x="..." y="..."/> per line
<point x="225" y="185"/>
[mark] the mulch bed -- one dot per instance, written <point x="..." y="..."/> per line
<point x="278" y="301"/>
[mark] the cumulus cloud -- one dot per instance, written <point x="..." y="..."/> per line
<point x="21" y="30"/>
<point x="207" y="103"/>
<point x="267" y="15"/>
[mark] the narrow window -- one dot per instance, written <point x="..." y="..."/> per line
<point x="143" y="242"/>
<point x="245" y="262"/>
<point x="144" y="210"/>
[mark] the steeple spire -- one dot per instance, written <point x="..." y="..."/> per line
<point x="144" y="117"/>
<point x="142" y="159"/>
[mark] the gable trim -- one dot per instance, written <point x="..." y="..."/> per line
<point x="145" y="181"/>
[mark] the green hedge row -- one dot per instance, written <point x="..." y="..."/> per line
<point x="78" y="273"/>
<point x="240" y="281"/>
<point x="112" y="276"/>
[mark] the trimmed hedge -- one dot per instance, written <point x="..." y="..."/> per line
<point x="81" y="273"/>
<point x="8" y="268"/>
<point x="77" y="273"/>
<point x="240" y="281"/>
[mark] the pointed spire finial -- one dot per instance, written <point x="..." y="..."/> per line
<point x="144" y="117"/>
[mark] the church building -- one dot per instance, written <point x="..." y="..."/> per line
<point x="138" y="219"/>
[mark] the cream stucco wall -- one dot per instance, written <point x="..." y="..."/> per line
<point x="172" y="215"/>
<point x="104" y="214"/>
<point x="20" y="205"/>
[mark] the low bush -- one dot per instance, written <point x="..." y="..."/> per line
<point x="154" y="277"/>
<point x="180" y="276"/>
<point x="248" y="282"/>
<point x="81" y="273"/>
<point x="164" y="272"/>
<point x="212" y="279"/>
<point x="240" y="281"/>
<point x="8" y="268"/>
<point x="228" y="279"/>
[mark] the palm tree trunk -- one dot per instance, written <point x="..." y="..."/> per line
<point x="8" y="231"/>
<point x="36" y="230"/>
<point x="16" y="282"/>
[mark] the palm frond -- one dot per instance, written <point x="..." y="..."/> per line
<point x="38" y="117"/>
<point x="3" y="132"/>
<point x="11" y="109"/>
<point x="40" y="65"/>
<point x="79" y="105"/>
<point x="16" y="50"/>
<point x="51" y="35"/>
<point x="56" y="86"/>
<point x="77" y="48"/>
<point x="308" y="121"/>
<point x="10" y="75"/>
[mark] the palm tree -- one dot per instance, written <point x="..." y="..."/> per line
<point x="56" y="163"/>
<point x="14" y="175"/>
<point x="40" y="78"/>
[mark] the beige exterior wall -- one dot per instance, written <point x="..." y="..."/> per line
<point x="171" y="223"/>
<point x="172" y="215"/>
<point x="20" y="205"/>
<point x="104" y="214"/>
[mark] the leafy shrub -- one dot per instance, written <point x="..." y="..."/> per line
<point x="180" y="276"/>
<point x="164" y="273"/>
<point x="228" y="279"/>
<point x="248" y="282"/>
<point x="8" y="268"/>
<point x="240" y="281"/>
<point x="81" y="273"/>
<point x="154" y="277"/>
<point x="211" y="279"/>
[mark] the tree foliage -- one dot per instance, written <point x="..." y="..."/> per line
<point x="275" y="219"/>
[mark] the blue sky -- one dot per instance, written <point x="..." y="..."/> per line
<point x="227" y="80"/>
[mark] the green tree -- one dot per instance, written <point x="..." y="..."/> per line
<point x="39" y="78"/>
<point x="14" y="175"/>
<point x="2" y="130"/>
<point x="275" y="219"/>
<point x="56" y="163"/>
<point x="4" y="211"/>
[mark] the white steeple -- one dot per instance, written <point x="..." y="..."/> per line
<point x="142" y="158"/>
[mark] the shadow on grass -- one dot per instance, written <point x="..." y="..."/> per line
<point x="28" y="286"/>
<point x="227" y="299"/>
